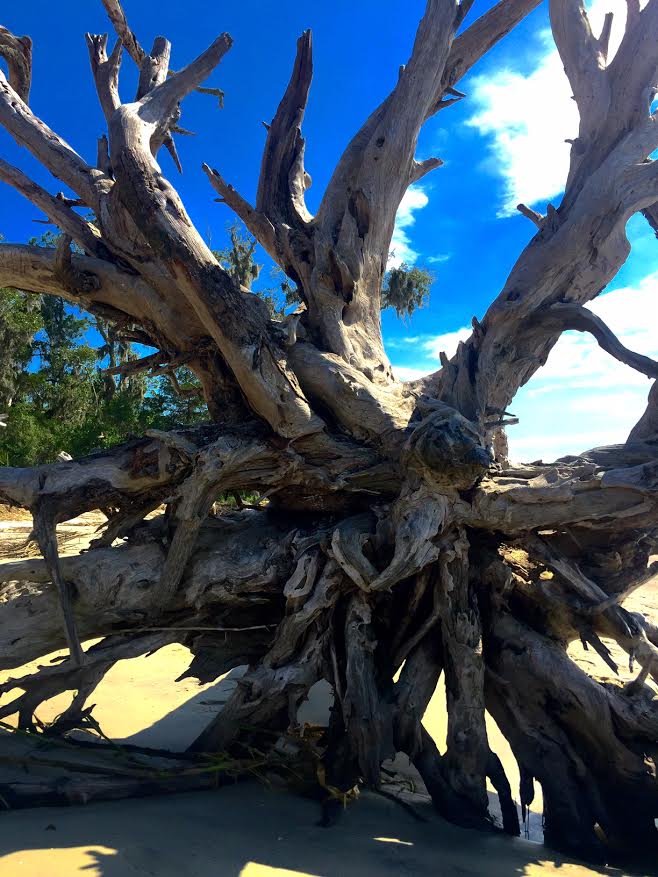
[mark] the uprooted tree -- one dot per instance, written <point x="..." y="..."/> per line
<point x="387" y="535"/>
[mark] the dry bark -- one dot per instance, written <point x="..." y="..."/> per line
<point x="390" y="537"/>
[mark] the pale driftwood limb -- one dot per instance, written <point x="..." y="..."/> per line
<point x="368" y="718"/>
<point x="421" y="168"/>
<point x="531" y="214"/>
<point x="582" y="59"/>
<point x="46" y="146"/>
<point x="603" y="484"/>
<point x="258" y="224"/>
<point x="474" y="42"/>
<point x="126" y="35"/>
<point x="154" y="67"/>
<point x="121" y="292"/>
<point x="324" y="585"/>
<point x="44" y="531"/>
<point x="467" y="755"/>
<point x="105" y="70"/>
<point x="57" y="210"/>
<point x="75" y="282"/>
<point x="17" y="52"/>
<point x="347" y="544"/>
<point x="160" y="103"/>
<point x="564" y="316"/>
<point x="372" y="486"/>
<point x="282" y="181"/>
<point x="647" y="425"/>
<point x="417" y="518"/>
<point x="604" y="38"/>
<point x="208" y="289"/>
<point x="79" y="486"/>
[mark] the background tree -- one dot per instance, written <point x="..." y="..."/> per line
<point x="406" y="289"/>
<point x="391" y="541"/>
<point x="19" y="321"/>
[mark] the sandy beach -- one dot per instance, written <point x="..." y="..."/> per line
<point x="250" y="829"/>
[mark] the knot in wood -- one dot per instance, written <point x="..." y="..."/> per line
<point x="447" y="450"/>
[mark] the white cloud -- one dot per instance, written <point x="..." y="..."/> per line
<point x="577" y="361"/>
<point x="583" y="397"/>
<point x="446" y="343"/>
<point x="429" y="346"/>
<point x="549" y="448"/>
<point x="414" y="199"/>
<point x="617" y="405"/>
<point x="529" y="116"/>
<point x="405" y="373"/>
<point x="438" y="259"/>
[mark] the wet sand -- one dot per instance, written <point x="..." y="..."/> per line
<point x="252" y="830"/>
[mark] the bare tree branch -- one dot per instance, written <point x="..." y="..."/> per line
<point x="604" y="39"/>
<point x="154" y="70"/>
<point x="647" y="425"/>
<point x="125" y="294"/>
<point x="29" y="131"/>
<point x="421" y="168"/>
<point x="237" y="322"/>
<point x="117" y="17"/>
<point x="257" y="223"/>
<point x="56" y="209"/>
<point x="159" y="105"/>
<point x="583" y="61"/>
<point x="283" y="179"/>
<point x="569" y="316"/>
<point x="633" y="71"/>
<point x="105" y="71"/>
<point x="481" y="36"/>
<point x="17" y="52"/>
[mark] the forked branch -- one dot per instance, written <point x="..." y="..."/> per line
<point x="105" y="70"/>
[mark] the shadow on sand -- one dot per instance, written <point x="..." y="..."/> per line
<point x="254" y="831"/>
<point x="233" y="831"/>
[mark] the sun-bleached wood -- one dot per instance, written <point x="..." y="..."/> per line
<point x="390" y="532"/>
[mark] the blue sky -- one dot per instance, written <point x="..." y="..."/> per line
<point x="503" y="144"/>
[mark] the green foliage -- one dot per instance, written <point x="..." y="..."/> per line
<point x="55" y="388"/>
<point x="19" y="321"/>
<point x="173" y="403"/>
<point x="406" y="289"/>
<point x="239" y="261"/>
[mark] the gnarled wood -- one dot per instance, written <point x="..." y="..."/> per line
<point x="391" y="533"/>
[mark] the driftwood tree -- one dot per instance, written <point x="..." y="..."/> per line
<point x="390" y="538"/>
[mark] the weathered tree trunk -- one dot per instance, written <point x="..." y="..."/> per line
<point x="387" y="539"/>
